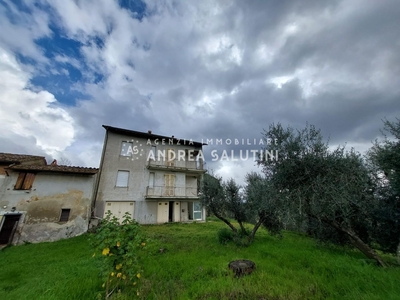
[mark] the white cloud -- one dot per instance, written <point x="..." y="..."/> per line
<point x="19" y="35"/>
<point x="196" y="69"/>
<point x="28" y="114"/>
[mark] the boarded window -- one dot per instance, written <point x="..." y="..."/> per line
<point x="64" y="214"/>
<point x="122" y="179"/>
<point x="24" y="181"/>
<point x="2" y="171"/>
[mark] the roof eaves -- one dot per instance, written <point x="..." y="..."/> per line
<point x="151" y="136"/>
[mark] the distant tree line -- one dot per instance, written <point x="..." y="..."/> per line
<point x="335" y="195"/>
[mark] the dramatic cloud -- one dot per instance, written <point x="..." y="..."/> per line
<point x="29" y="115"/>
<point x="200" y="70"/>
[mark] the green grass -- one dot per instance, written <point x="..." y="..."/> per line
<point x="194" y="266"/>
<point x="59" y="270"/>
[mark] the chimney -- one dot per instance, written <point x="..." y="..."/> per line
<point x="149" y="132"/>
<point x="172" y="136"/>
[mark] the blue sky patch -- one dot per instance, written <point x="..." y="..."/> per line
<point x="136" y="7"/>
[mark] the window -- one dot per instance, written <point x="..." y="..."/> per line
<point x="122" y="179"/>
<point x="151" y="180"/>
<point x="24" y="181"/>
<point x="197" y="211"/>
<point x="171" y="156"/>
<point x="65" y="214"/>
<point x="126" y="149"/>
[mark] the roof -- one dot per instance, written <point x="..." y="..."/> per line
<point x="20" y="158"/>
<point x="55" y="168"/>
<point x="149" y="135"/>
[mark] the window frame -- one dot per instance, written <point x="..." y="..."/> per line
<point x="118" y="179"/>
<point x="122" y="148"/>
<point x="62" y="215"/>
<point x="24" y="181"/>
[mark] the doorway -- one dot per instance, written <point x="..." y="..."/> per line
<point x="171" y="211"/>
<point x="7" y="231"/>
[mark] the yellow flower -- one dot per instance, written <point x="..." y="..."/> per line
<point x="118" y="244"/>
<point x="117" y="267"/>
<point x="134" y="283"/>
<point x="138" y="275"/>
<point x="106" y="251"/>
<point x="112" y="273"/>
<point x="138" y="293"/>
<point x="143" y="244"/>
<point x="119" y="275"/>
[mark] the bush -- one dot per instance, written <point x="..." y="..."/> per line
<point x="225" y="235"/>
<point x="116" y="248"/>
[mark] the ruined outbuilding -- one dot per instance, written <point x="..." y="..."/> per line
<point x="40" y="202"/>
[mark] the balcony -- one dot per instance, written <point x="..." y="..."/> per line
<point x="176" y="165"/>
<point x="157" y="192"/>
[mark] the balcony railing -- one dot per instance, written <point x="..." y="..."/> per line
<point x="177" y="163"/>
<point x="171" y="191"/>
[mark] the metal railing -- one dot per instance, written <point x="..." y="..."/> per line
<point x="171" y="191"/>
<point x="177" y="163"/>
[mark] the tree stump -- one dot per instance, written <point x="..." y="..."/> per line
<point x="242" y="267"/>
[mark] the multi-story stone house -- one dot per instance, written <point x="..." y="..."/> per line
<point x="152" y="177"/>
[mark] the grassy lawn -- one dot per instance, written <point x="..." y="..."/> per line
<point x="194" y="266"/>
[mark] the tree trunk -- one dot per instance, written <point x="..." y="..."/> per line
<point x="358" y="243"/>
<point x="242" y="227"/>
<point x="226" y="221"/>
<point x="255" y="228"/>
<point x="398" y="253"/>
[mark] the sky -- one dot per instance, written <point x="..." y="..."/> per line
<point x="201" y="70"/>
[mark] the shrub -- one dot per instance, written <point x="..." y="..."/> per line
<point x="225" y="235"/>
<point x="116" y="248"/>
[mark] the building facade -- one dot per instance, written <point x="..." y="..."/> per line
<point x="154" y="178"/>
<point x="40" y="202"/>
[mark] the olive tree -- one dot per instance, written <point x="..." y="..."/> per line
<point x="384" y="163"/>
<point x="330" y="189"/>
<point x="258" y="205"/>
<point x="212" y="196"/>
<point x="265" y="205"/>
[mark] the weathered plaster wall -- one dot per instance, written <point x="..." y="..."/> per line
<point x="41" y="206"/>
<point x="113" y="161"/>
<point x="145" y="209"/>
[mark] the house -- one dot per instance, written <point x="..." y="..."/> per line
<point x="40" y="202"/>
<point x="152" y="177"/>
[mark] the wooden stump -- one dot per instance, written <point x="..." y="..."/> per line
<point x="242" y="267"/>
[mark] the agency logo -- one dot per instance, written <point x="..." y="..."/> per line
<point x="162" y="150"/>
<point x="132" y="149"/>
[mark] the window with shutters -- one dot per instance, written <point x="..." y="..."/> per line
<point x="169" y="185"/>
<point x="24" y="181"/>
<point x="64" y="217"/>
<point x="122" y="179"/>
<point x="171" y="156"/>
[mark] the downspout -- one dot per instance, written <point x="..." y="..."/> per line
<point x="97" y="182"/>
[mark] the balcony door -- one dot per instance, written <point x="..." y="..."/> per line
<point x="169" y="185"/>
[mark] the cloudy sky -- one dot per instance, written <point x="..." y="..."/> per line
<point x="195" y="70"/>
